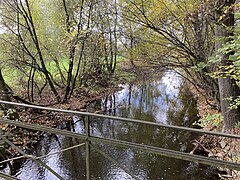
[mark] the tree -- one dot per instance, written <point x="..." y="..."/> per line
<point x="40" y="37"/>
<point x="77" y="27"/>
<point x="187" y="28"/>
<point x="227" y="85"/>
<point x="186" y="32"/>
<point x="19" y="20"/>
<point x="3" y="90"/>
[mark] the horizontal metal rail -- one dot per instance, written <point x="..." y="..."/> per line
<point x="146" y="148"/>
<point x="199" y="131"/>
<point x="169" y="153"/>
<point x="43" y="128"/>
<point x="89" y="140"/>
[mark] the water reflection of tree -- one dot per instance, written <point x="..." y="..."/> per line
<point x="187" y="113"/>
<point x="73" y="161"/>
<point x="145" y="134"/>
<point x="143" y="102"/>
<point x="183" y="116"/>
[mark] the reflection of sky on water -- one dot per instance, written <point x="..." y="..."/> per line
<point x="151" y="101"/>
<point x="31" y="170"/>
<point x="154" y="98"/>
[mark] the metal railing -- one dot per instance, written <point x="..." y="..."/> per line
<point x="89" y="139"/>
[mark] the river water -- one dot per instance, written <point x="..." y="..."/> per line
<point x="164" y="99"/>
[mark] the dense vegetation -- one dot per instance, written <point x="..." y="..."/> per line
<point x="60" y="47"/>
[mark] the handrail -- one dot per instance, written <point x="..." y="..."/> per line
<point x="88" y="138"/>
<point x="199" y="131"/>
<point x="151" y="149"/>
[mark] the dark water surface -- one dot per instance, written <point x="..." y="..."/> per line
<point x="164" y="100"/>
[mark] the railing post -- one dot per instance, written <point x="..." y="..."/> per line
<point x="87" y="131"/>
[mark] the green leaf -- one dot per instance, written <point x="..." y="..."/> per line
<point x="233" y="57"/>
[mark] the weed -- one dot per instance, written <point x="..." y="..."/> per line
<point x="213" y="120"/>
<point x="237" y="125"/>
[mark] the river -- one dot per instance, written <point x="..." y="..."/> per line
<point x="163" y="99"/>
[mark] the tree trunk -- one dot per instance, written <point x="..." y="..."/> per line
<point x="72" y="50"/>
<point x="227" y="86"/>
<point x="3" y="91"/>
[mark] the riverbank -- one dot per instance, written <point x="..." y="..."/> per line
<point x="81" y="99"/>
<point x="219" y="147"/>
<point x="162" y="99"/>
